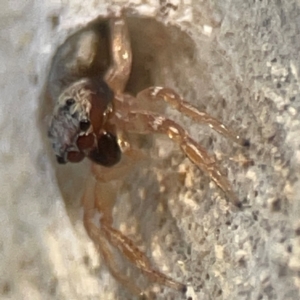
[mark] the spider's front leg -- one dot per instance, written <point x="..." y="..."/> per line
<point x="145" y="122"/>
<point x="117" y="75"/>
<point x="154" y="94"/>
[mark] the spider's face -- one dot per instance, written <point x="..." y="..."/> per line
<point x="78" y="117"/>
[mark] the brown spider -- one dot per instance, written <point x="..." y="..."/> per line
<point x="90" y="118"/>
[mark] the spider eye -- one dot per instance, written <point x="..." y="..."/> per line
<point x="60" y="160"/>
<point x="70" y="101"/>
<point x="84" y="125"/>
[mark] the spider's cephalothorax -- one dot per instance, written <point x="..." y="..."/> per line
<point x="90" y="118"/>
<point x="78" y="122"/>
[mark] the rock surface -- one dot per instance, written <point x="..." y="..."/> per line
<point x="238" y="60"/>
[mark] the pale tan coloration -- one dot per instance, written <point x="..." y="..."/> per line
<point x="127" y="116"/>
<point x="118" y="74"/>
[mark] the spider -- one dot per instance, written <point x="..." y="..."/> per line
<point x="91" y="117"/>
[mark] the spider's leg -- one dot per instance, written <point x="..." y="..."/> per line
<point x="171" y="97"/>
<point x="105" y="195"/>
<point x="147" y="122"/>
<point x="115" y="271"/>
<point x="100" y="197"/>
<point x="138" y="258"/>
<point x="117" y="75"/>
<point x="98" y="236"/>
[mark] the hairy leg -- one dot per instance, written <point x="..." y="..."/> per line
<point x="117" y="75"/>
<point x="147" y="122"/>
<point x="154" y="94"/>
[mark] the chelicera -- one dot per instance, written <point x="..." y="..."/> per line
<point x="91" y="117"/>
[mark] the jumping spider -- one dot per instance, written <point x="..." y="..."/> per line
<point x="90" y="119"/>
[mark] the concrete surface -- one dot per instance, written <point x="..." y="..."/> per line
<point x="238" y="60"/>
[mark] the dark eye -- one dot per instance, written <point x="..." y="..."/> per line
<point x="60" y="160"/>
<point x="70" y="102"/>
<point x="84" y="125"/>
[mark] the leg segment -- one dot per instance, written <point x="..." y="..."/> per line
<point x="121" y="56"/>
<point x="138" y="258"/>
<point x="95" y="232"/>
<point x="103" y="246"/>
<point x="99" y="198"/>
<point x="145" y="122"/>
<point x="172" y="98"/>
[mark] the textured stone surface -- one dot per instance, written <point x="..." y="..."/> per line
<point x="238" y="60"/>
